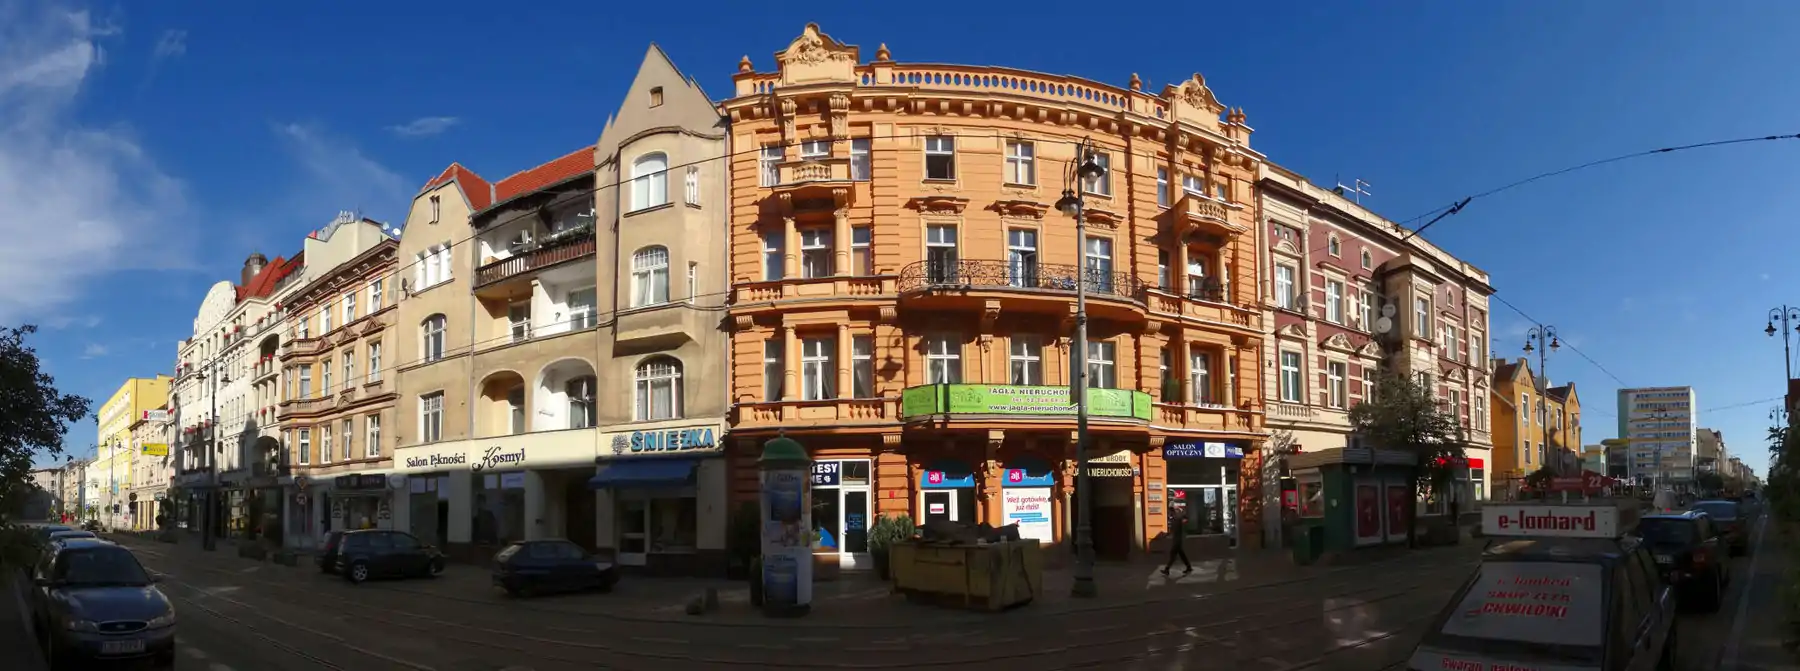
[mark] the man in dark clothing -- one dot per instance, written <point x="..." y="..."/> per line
<point x="1177" y="534"/>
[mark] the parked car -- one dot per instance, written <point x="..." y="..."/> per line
<point x="1730" y="516"/>
<point x="532" y="567"/>
<point x="1688" y="554"/>
<point x="45" y="531"/>
<point x="69" y="534"/>
<point x="375" y="553"/>
<point x="93" y="601"/>
<point x="328" y="552"/>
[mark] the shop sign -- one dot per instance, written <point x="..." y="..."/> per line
<point x="946" y="480"/>
<point x="1203" y="450"/>
<point x="685" y="439"/>
<point x="1099" y="472"/>
<point x="494" y="458"/>
<point x="359" y="481"/>
<point x="993" y="399"/>
<point x="827" y="473"/>
<point x="436" y="460"/>
<point x="155" y="449"/>
<point x="1019" y="477"/>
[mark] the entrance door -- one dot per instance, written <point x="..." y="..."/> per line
<point x="578" y="501"/>
<point x="634" y="531"/>
<point x="939" y="505"/>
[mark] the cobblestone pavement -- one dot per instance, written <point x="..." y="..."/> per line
<point x="242" y="614"/>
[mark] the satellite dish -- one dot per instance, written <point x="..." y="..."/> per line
<point x="1383" y="325"/>
<point x="1387" y="309"/>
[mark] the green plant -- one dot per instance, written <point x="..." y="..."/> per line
<point x="889" y="531"/>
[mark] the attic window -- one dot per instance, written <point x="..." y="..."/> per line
<point x="656" y="96"/>
<point x="434" y="209"/>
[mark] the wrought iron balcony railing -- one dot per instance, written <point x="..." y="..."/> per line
<point x="994" y="274"/>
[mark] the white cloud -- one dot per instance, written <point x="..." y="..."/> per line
<point x="172" y="43"/>
<point x="72" y="321"/>
<point x="339" y="176"/>
<point x="76" y="201"/>
<point x="424" y="126"/>
<point x="94" y="350"/>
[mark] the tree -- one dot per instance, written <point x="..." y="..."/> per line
<point x="1405" y="416"/>
<point x="33" y="418"/>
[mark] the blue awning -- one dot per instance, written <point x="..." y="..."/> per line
<point x="645" y="473"/>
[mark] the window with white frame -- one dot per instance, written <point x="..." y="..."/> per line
<point x="1200" y="377"/>
<point x="940" y="157"/>
<point x="940" y="253"/>
<point x="862" y="251"/>
<point x="1020" y="163"/>
<point x="658" y="389"/>
<point x="305" y="381"/>
<point x="1193" y="185"/>
<point x="1290" y="377"/>
<point x="1103" y="370"/>
<point x="325" y="319"/>
<point x="304" y="451"/>
<point x="692" y="185"/>
<point x="815" y="253"/>
<point x="1368" y="260"/>
<point x="813" y="150"/>
<point x="1025" y="359"/>
<point x="1162" y="187"/>
<point x="350" y="367"/>
<point x="1477" y="347"/>
<point x="375" y="295"/>
<point x="1455" y="404"/>
<point x="326" y="453"/>
<point x="943" y="359"/>
<point x="431" y="417"/>
<point x="1285" y="297"/>
<point x="349" y="307"/>
<point x="1022" y="257"/>
<point x="1334" y="301"/>
<point x="774" y="265"/>
<point x="1099" y="185"/>
<point x="650" y="276"/>
<point x="1098" y="257"/>
<point x="1525" y="410"/>
<point x="1452" y="343"/>
<point x="1163" y="278"/>
<point x="774" y="368"/>
<point x="431" y="267"/>
<point x="860" y="166"/>
<point x="581" y="393"/>
<point x="325" y="378"/>
<point x="1478" y="408"/>
<point x="301" y="329"/>
<point x="693" y="281"/>
<point x="862" y="366"/>
<point x="650" y="181"/>
<point x="1422" y="317"/>
<point x="818" y="371"/>
<point x="374" y="361"/>
<point x="1368" y="382"/>
<point x="1333" y="246"/>
<point x="349" y="435"/>
<point x="768" y="164"/>
<point x="1337" y="384"/>
<point x="1366" y="303"/>
<point x="372" y="447"/>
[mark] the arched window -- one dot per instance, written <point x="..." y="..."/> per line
<point x="650" y="276"/>
<point x="1333" y="246"/>
<point x="649" y="181"/>
<point x="659" y="389"/>
<point x="432" y="332"/>
<point x="581" y="402"/>
<point x="1367" y="260"/>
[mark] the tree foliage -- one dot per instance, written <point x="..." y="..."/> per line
<point x="1405" y="415"/>
<point x="34" y="415"/>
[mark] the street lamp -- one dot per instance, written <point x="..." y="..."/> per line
<point x="1085" y="167"/>
<point x="209" y="442"/>
<point x="1790" y="322"/>
<point x="1547" y="342"/>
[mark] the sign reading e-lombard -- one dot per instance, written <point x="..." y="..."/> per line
<point x="987" y="399"/>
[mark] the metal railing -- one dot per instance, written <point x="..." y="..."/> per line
<point x="556" y="249"/>
<point x="995" y="274"/>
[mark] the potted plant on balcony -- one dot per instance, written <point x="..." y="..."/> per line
<point x="883" y="536"/>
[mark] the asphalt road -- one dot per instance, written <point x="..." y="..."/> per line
<point x="241" y="615"/>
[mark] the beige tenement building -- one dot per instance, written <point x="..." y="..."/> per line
<point x="560" y="362"/>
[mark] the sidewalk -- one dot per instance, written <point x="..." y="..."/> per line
<point x="16" y="636"/>
<point x="1762" y="629"/>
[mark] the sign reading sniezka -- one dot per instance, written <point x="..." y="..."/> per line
<point x="654" y="441"/>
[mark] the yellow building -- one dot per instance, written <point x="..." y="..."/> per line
<point x="1532" y="422"/>
<point x="112" y="459"/>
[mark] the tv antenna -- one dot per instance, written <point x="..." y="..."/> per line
<point x="1357" y="189"/>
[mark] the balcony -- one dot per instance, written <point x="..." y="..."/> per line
<point x="827" y="412"/>
<point x="557" y="249"/>
<point x="1195" y="213"/>
<point x="303" y="347"/>
<point x="1293" y="412"/>
<point x="1208" y="305"/>
<point x="1204" y="418"/>
<point x="821" y="176"/>
<point x="1034" y="287"/>
<point x="860" y="287"/>
<point x="1014" y="401"/>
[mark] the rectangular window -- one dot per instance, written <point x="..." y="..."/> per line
<point x="1477" y="352"/>
<point x="1100" y="185"/>
<point x="375" y="295"/>
<point x="818" y="370"/>
<point x="1200" y="377"/>
<point x="1020" y="166"/>
<point x="518" y="318"/>
<point x="940" y="157"/>
<point x="349" y="368"/>
<point x="304" y="451"/>
<point x="305" y="381"/>
<point x="372" y="448"/>
<point x="1368" y="383"/>
<point x="1337" y="384"/>
<point x="860" y="167"/>
<point x="581" y="309"/>
<point x="862" y="254"/>
<point x="1284" y="287"/>
<point x="325" y="319"/>
<point x="1452" y="343"/>
<point x="515" y="410"/>
<point x="812" y="150"/>
<point x="943" y="359"/>
<point x="940" y="254"/>
<point x="1162" y="187"/>
<point x="1478" y="407"/>
<point x="1098" y="257"/>
<point x="349" y="308"/>
<point x="1103" y="373"/>
<point x="1163" y="279"/>
<point x="1365" y="301"/>
<point x="374" y="361"/>
<point x="862" y="366"/>
<point x="774" y="266"/>
<point x="1193" y="185"/>
<point x="326" y="455"/>
<point x="1290" y="377"/>
<point x="300" y="330"/>
<point x="1525" y="410"/>
<point x="1334" y="301"/>
<point x="774" y="369"/>
<point x="1022" y="257"/>
<point x="692" y="184"/>
<point x="1422" y="317"/>
<point x="1456" y="406"/>
<point x="349" y="433"/>
<point x="815" y="253"/>
<point x="431" y="417"/>
<point x="1025" y="359"/>
<point x="768" y="165"/>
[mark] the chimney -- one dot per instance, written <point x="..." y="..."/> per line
<point x="252" y="266"/>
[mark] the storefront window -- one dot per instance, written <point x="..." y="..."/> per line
<point x="1206" y="490"/>
<point x="1478" y="484"/>
<point x="840" y="504"/>
<point x="499" y="512"/>
<point x="428" y="507"/>
<point x="672" y="524"/>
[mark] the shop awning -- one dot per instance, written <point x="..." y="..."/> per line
<point x="645" y="473"/>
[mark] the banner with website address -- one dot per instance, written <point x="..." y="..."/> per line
<point x="986" y="399"/>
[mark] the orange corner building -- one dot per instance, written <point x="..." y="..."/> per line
<point x="903" y="297"/>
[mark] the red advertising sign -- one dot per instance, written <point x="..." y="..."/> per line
<point x="1290" y="499"/>
<point x="1399" y="499"/>
<point x="1588" y="481"/>
<point x="1368" y="511"/>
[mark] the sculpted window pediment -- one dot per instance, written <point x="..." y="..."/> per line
<point x="938" y="204"/>
<point x="1455" y="374"/>
<point x="1291" y="331"/>
<point x="1370" y="349"/>
<point x="1103" y="218"/>
<point x="1285" y="246"/>
<point x="1027" y="209"/>
<point x="1339" y="342"/>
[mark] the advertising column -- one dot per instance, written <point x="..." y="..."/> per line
<point x="786" y="529"/>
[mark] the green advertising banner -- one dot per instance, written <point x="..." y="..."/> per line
<point x="987" y="399"/>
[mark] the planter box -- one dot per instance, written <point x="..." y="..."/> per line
<point x="982" y="577"/>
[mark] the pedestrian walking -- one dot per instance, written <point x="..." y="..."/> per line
<point x="1178" y="534"/>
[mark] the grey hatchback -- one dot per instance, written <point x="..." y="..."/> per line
<point x="93" y="601"/>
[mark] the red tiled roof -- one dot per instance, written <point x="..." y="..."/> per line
<point x="265" y="280"/>
<point x="479" y="192"/>
<point x="569" y="166"/>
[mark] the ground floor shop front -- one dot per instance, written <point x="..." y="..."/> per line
<point x="1141" y="486"/>
<point x="652" y="498"/>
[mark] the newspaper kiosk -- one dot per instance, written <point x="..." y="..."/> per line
<point x="1561" y="587"/>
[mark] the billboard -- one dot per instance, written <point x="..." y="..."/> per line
<point x="994" y="399"/>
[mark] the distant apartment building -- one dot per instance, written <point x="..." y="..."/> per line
<point x="113" y="455"/>
<point x="1535" y="423"/>
<point x="1661" y="425"/>
<point x="1710" y="455"/>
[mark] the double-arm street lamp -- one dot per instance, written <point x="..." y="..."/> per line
<point x="209" y="443"/>
<point x="1546" y="342"/>
<point x="1790" y="322"/>
<point x="1085" y="167"/>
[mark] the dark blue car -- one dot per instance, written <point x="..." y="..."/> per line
<point x="535" y="567"/>
<point x="93" y="601"/>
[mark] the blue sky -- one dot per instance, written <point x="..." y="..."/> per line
<point x="146" y="148"/>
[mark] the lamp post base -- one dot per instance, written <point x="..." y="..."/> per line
<point x="1084" y="588"/>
